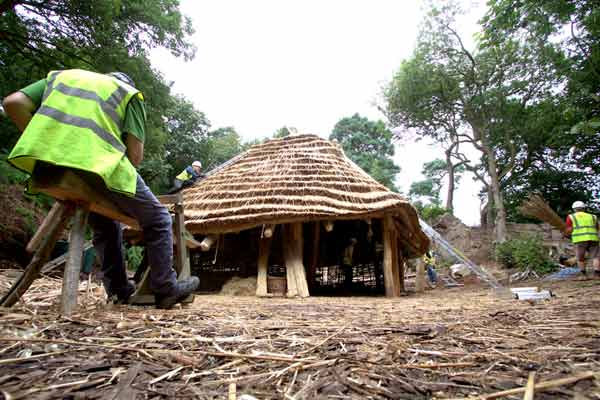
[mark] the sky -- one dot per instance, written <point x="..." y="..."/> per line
<point x="264" y="64"/>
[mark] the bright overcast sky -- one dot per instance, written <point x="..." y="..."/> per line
<point x="264" y="64"/>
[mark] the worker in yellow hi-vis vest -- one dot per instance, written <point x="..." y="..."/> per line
<point x="583" y="228"/>
<point x="187" y="177"/>
<point x="96" y="123"/>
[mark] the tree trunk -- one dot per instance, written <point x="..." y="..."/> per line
<point x="496" y="194"/>
<point x="450" y="169"/>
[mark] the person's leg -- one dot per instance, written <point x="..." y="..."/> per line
<point x="594" y="253"/>
<point x="431" y="274"/>
<point x="108" y="240"/>
<point x="155" y="221"/>
<point x="580" y="254"/>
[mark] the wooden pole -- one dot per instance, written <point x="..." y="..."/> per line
<point x="395" y="263"/>
<point x="420" y="278"/>
<point x="39" y="259"/>
<point x="55" y="213"/>
<point x="180" y="247"/>
<point x="207" y="242"/>
<point x="388" y="258"/>
<point x="264" y="246"/>
<point x="70" y="282"/>
<point x="293" y="248"/>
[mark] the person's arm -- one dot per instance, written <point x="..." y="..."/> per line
<point x="569" y="228"/>
<point x="19" y="108"/>
<point x="135" y="149"/>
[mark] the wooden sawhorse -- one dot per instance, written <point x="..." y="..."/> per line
<point x="77" y="195"/>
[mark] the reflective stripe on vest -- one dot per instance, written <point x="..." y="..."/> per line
<point x="79" y="126"/>
<point x="584" y="227"/>
<point x="184" y="175"/>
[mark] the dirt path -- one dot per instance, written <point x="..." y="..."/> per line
<point x="445" y="343"/>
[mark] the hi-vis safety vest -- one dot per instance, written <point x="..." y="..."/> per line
<point x="78" y="125"/>
<point x="429" y="260"/>
<point x="184" y="175"/>
<point x="584" y="227"/>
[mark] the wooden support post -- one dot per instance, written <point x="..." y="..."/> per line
<point x="39" y="259"/>
<point x="401" y="269"/>
<point x="395" y="263"/>
<point x="264" y="246"/>
<point x="70" y="282"/>
<point x="180" y="246"/>
<point x="56" y="212"/>
<point x="388" y="258"/>
<point x="207" y="242"/>
<point x="420" y="278"/>
<point x="293" y="245"/>
<point x="314" y="255"/>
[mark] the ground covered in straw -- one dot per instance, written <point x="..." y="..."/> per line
<point x="443" y="344"/>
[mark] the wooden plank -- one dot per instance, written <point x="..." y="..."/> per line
<point x="65" y="184"/>
<point x="388" y="271"/>
<point x="124" y="390"/>
<point x="40" y="257"/>
<point x="264" y="247"/>
<point x="169" y="198"/>
<point x="51" y="219"/>
<point x="293" y="252"/>
<point x="70" y="281"/>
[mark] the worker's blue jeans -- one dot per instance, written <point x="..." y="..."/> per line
<point x="155" y="221"/>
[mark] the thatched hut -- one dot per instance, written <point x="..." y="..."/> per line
<point x="290" y="208"/>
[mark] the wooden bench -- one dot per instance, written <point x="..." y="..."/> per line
<point x="77" y="194"/>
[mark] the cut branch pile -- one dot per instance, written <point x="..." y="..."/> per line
<point x="535" y="206"/>
<point x="444" y="344"/>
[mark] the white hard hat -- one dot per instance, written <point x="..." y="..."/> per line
<point x="578" y="204"/>
<point x="197" y="164"/>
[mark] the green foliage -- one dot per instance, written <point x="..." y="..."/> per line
<point x="525" y="253"/>
<point x="283" y="132"/>
<point x="28" y="219"/>
<point x="429" y="212"/>
<point x="134" y="257"/>
<point x="8" y="174"/>
<point x="369" y="145"/>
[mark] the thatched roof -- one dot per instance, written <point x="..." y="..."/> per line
<point x="295" y="178"/>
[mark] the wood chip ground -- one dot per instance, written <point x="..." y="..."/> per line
<point x="453" y="343"/>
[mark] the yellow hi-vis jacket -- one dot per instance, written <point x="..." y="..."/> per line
<point x="584" y="227"/>
<point x="78" y="125"/>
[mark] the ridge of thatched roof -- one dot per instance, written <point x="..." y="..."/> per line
<point x="295" y="178"/>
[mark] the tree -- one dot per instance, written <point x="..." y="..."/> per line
<point x="369" y="144"/>
<point x="106" y="35"/>
<point x="564" y="162"/>
<point x="457" y="96"/>
<point x="284" y="131"/>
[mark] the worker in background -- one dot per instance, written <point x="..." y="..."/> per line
<point x="429" y="260"/>
<point x="347" y="263"/>
<point x="96" y="123"/>
<point x="583" y="228"/>
<point x="187" y="177"/>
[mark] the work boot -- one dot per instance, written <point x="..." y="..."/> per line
<point x="180" y="291"/>
<point x="123" y="296"/>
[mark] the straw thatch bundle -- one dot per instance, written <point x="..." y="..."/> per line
<point x="535" y="206"/>
<point x="296" y="178"/>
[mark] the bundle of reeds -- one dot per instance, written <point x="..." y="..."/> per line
<point x="535" y="206"/>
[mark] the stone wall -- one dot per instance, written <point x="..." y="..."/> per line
<point x="476" y="242"/>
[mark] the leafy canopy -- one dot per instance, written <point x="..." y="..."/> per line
<point x="369" y="144"/>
